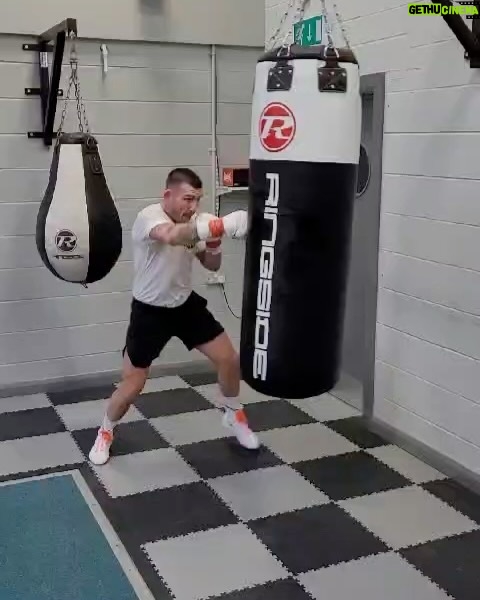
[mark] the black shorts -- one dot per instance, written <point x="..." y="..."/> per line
<point x="152" y="327"/>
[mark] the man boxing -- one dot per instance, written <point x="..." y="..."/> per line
<point x="166" y="238"/>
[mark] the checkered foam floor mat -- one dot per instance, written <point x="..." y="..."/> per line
<point x="325" y="510"/>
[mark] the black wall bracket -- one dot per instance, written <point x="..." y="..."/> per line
<point x="468" y="38"/>
<point x="51" y="42"/>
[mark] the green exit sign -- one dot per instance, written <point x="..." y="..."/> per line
<point x="308" y="32"/>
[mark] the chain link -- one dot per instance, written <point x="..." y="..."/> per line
<point x="74" y="82"/>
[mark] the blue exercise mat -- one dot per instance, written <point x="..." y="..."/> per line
<point x="52" y="547"/>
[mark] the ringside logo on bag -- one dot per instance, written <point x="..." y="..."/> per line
<point x="277" y="127"/>
<point x="264" y="293"/>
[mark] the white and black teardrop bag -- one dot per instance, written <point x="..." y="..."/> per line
<point x="304" y="153"/>
<point x="79" y="232"/>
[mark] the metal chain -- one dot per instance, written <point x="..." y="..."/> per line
<point x="74" y="82"/>
<point x="299" y="14"/>
<point x="273" y="37"/>
<point x="341" y="24"/>
<point x="328" y="27"/>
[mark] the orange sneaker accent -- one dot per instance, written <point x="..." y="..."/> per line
<point x="241" y="417"/>
<point x="216" y="228"/>
<point x="106" y="435"/>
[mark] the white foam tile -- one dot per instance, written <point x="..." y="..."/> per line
<point x="326" y="408"/>
<point x="39" y="452"/>
<point x="189" y="428"/>
<point x="407" y="517"/>
<point x="214" y="562"/>
<point x="266" y="492"/>
<point x="406" y="464"/>
<point x="381" y="577"/>
<point x="83" y="415"/>
<point x="18" y="403"/>
<point x="162" y="384"/>
<point x="306" y="442"/>
<point x="144" y="471"/>
<point x="247" y="395"/>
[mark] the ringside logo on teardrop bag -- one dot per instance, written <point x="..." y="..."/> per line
<point x="277" y="127"/>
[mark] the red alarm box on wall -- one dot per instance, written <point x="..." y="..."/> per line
<point x="235" y="177"/>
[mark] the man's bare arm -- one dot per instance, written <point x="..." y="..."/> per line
<point x="206" y="226"/>
<point x="174" y="234"/>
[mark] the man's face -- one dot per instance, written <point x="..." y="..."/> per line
<point x="181" y="202"/>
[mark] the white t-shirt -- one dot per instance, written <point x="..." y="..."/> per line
<point x="162" y="273"/>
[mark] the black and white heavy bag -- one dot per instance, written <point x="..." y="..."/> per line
<point x="79" y="233"/>
<point x="304" y="152"/>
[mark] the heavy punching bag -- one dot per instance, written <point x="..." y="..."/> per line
<point x="79" y="233"/>
<point x="304" y="153"/>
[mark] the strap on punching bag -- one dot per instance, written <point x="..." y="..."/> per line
<point x="79" y="233"/>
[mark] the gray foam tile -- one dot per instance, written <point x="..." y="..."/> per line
<point x="407" y="516"/>
<point x="83" y="415"/>
<point x="214" y="562"/>
<point x="306" y="442"/>
<point x="189" y="428"/>
<point x="266" y="492"/>
<point x="18" y="403"/>
<point x="40" y="452"/>
<point x="144" y="471"/>
<point x="382" y="577"/>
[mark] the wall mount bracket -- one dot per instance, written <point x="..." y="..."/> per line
<point x="468" y="38"/>
<point x="50" y="42"/>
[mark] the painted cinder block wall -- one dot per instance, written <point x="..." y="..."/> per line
<point x="150" y="112"/>
<point x="427" y="379"/>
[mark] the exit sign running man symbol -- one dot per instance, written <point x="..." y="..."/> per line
<point x="308" y="32"/>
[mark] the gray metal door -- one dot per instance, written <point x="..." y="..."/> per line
<point x="358" y="363"/>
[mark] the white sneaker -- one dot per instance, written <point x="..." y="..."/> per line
<point x="100" y="452"/>
<point x="236" y="420"/>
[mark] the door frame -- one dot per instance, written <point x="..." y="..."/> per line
<point x="373" y="85"/>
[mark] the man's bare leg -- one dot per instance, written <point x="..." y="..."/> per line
<point x="223" y="355"/>
<point x="132" y="383"/>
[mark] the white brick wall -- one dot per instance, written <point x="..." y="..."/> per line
<point x="150" y="112"/>
<point x="428" y="323"/>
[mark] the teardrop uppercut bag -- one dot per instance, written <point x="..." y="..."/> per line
<point x="79" y="233"/>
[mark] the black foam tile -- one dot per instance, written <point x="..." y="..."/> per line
<point x="263" y="416"/>
<point x="457" y="496"/>
<point x="316" y="537"/>
<point x="171" y="402"/>
<point x="159" y="514"/>
<point x="81" y="395"/>
<point x="350" y="475"/>
<point x="216" y="458"/>
<point x="196" y="379"/>
<point x="452" y="563"/>
<point x="29" y="423"/>
<point x="137" y="436"/>
<point x="285" y="589"/>
<point x="355" y="429"/>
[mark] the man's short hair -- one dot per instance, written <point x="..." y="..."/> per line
<point x="183" y="175"/>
